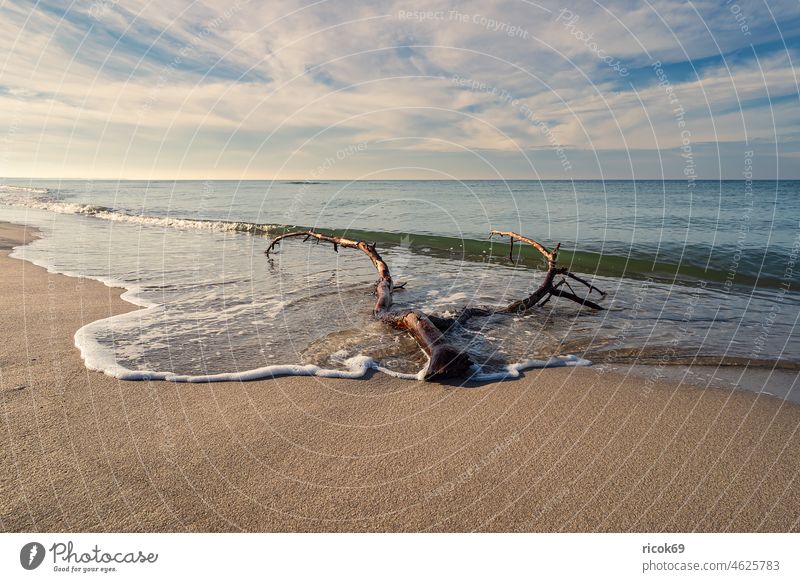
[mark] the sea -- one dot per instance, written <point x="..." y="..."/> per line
<point x="700" y="272"/>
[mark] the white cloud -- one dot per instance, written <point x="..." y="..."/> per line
<point x="104" y="89"/>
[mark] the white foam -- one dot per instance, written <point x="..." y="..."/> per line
<point x="23" y="189"/>
<point x="104" y="213"/>
<point x="514" y="370"/>
<point x="98" y="358"/>
<point x="101" y="360"/>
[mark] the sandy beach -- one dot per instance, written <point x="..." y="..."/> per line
<point x="570" y="449"/>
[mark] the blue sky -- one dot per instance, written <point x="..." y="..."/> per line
<point x="341" y="90"/>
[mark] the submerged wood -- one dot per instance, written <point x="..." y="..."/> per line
<point x="429" y="331"/>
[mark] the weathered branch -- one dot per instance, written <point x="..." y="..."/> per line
<point x="445" y="360"/>
<point x="549" y="287"/>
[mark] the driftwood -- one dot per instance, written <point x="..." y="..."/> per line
<point x="428" y="330"/>
<point x="548" y="288"/>
<point x="445" y="361"/>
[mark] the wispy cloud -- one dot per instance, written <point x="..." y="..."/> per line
<point x="247" y="89"/>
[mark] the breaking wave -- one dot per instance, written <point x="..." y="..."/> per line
<point x="106" y="213"/>
<point x="683" y="264"/>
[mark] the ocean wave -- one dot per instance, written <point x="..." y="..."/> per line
<point x="106" y="213"/>
<point x="23" y="189"/>
<point x="683" y="264"/>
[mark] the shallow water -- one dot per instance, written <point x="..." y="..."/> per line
<point x="192" y="252"/>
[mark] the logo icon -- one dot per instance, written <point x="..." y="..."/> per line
<point x="31" y="555"/>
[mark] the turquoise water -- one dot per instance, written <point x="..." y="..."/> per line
<point x="704" y="270"/>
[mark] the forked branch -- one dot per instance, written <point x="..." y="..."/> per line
<point x="549" y="286"/>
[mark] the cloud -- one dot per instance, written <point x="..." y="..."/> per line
<point x="246" y="89"/>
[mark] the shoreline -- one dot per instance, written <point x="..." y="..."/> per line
<point x="558" y="449"/>
<point x="717" y="371"/>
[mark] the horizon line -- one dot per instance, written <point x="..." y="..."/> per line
<point x="312" y="182"/>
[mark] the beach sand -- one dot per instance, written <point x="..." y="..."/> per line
<point x="570" y="449"/>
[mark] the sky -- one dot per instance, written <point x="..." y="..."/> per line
<point x="336" y="89"/>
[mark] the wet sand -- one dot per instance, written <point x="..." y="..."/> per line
<point x="570" y="449"/>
